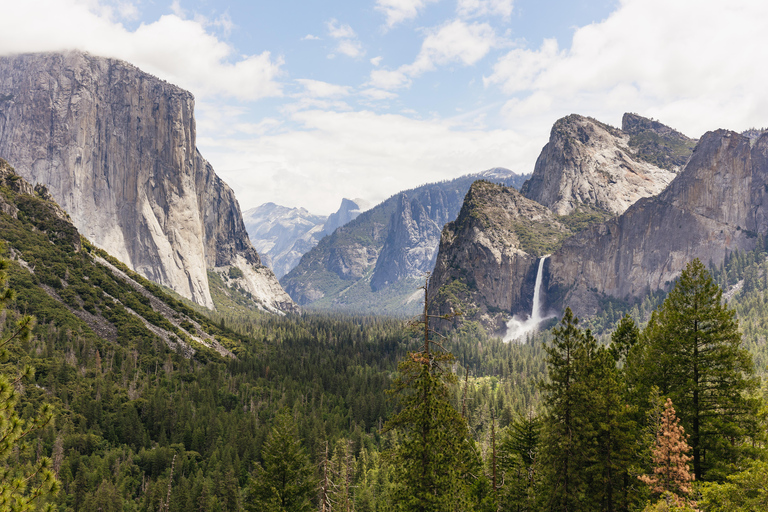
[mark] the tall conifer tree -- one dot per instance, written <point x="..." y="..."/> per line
<point x="433" y="455"/>
<point x="693" y="353"/>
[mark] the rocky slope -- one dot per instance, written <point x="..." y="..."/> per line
<point x="116" y="148"/>
<point x="376" y="262"/>
<point x="62" y="277"/>
<point x="590" y="163"/>
<point x="716" y="205"/>
<point x="283" y="235"/>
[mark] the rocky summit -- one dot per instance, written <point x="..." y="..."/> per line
<point x="587" y="162"/>
<point x="283" y="235"/>
<point x="116" y="147"/>
<point x="716" y="205"/>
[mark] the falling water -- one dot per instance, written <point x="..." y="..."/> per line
<point x="517" y="329"/>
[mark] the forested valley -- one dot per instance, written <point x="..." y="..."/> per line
<point x="654" y="405"/>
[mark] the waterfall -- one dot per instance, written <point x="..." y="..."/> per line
<point x="517" y="329"/>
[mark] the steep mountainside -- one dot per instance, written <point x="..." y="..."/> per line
<point x="486" y="263"/>
<point x="375" y="262"/>
<point x="717" y="204"/>
<point x="62" y="278"/>
<point x="283" y="235"/>
<point x="590" y="163"/>
<point x="589" y="172"/>
<point x="116" y="148"/>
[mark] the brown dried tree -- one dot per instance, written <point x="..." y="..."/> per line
<point x="671" y="473"/>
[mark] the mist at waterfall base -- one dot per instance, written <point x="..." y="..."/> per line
<point x="519" y="329"/>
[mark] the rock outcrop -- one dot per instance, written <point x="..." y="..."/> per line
<point x="116" y="148"/>
<point x="376" y="262"/>
<point x="590" y="163"/>
<point x="486" y="265"/>
<point x="716" y="205"/>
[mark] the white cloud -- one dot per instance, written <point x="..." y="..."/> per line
<point x="478" y="8"/>
<point x="350" y="48"/>
<point x="318" y="89"/>
<point x="385" y="79"/>
<point x="455" y="41"/>
<point x="397" y="11"/>
<point x="356" y="154"/>
<point x="348" y="43"/>
<point x="378" y="94"/>
<point x="310" y="37"/>
<point x="178" y="50"/>
<point x="694" y="64"/>
<point x="338" y="31"/>
<point x="376" y="60"/>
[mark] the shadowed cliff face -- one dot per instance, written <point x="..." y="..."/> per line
<point x="116" y="148"/>
<point x="377" y="261"/>
<point x="716" y="205"/>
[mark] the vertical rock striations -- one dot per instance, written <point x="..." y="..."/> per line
<point x="376" y="262"/>
<point x="116" y="148"/>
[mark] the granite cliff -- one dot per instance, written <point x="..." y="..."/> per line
<point x="486" y="266"/>
<point x="116" y="148"/>
<point x="716" y="205"/>
<point x="588" y="163"/>
<point x="586" y="181"/>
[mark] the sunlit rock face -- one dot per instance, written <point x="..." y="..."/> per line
<point x="116" y="148"/>
<point x="590" y="163"/>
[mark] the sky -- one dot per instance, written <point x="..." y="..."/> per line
<point x="302" y="103"/>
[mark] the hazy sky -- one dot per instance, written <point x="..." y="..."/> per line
<point x="305" y="102"/>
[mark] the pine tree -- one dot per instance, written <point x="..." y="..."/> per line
<point x="587" y="439"/>
<point x="671" y="473"/>
<point x="22" y="487"/>
<point x="693" y="353"/>
<point x="432" y="457"/>
<point x="562" y="455"/>
<point x="285" y="482"/>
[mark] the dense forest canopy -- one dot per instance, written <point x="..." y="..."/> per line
<point x="322" y="411"/>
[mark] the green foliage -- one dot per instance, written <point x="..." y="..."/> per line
<point x="284" y="482"/>
<point x="235" y="273"/>
<point x="25" y="481"/>
<point x="744" y="491"/>
<point x="665" y="152"/>
<point x="583" y="217"/>
<point x="692" y="351"/>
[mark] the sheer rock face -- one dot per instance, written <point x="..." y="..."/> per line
<point x="410" y="248"/>
<point x="116" y="148"/>
<point x="718" y="203"/>
<point x="486" y="266"/>
<point x="588" y="162"/>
